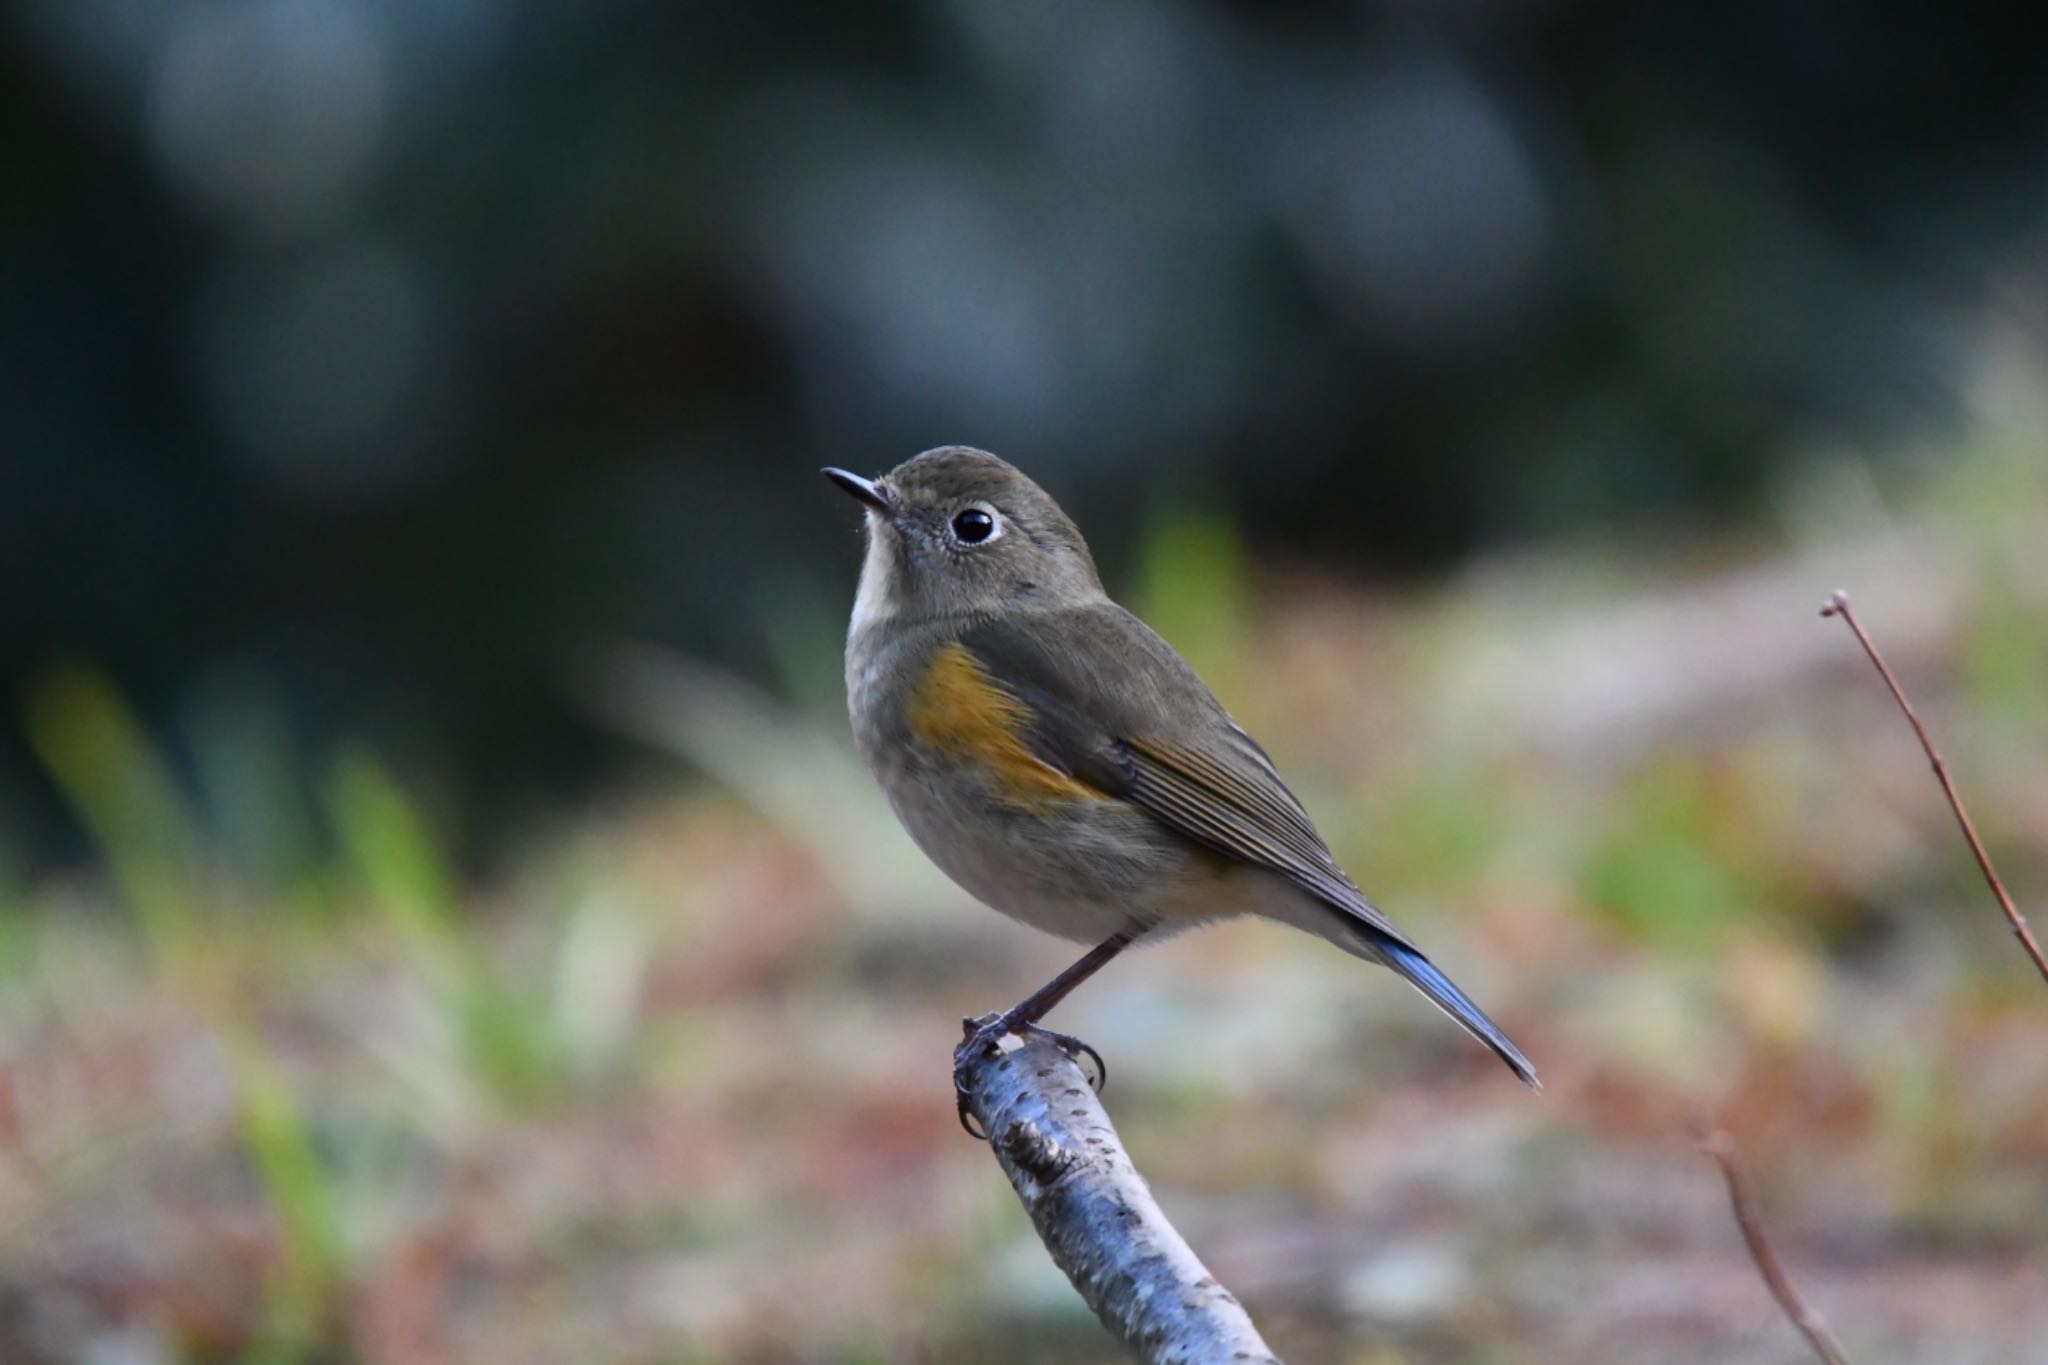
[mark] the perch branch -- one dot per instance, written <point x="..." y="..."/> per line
<point x="1838" y="605"/>
<point x="1094" y="1212"/>
<point x="1718" y="1145"/>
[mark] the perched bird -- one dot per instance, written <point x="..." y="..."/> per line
<point x="1057" y="758"/>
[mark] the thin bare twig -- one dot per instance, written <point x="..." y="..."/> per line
<point x="1838" y="605"/>
<point x="1720" y="1146"/>
<point x="1093" y="1211"/>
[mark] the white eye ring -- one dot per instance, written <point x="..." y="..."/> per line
<point x="976" y="524"/>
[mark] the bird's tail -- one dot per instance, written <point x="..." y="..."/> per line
<point x="1424" y="976"/>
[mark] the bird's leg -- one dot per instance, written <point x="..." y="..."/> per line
<point x="1022" y="1017"/>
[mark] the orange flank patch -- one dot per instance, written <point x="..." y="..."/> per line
<point x="957" y="710"/>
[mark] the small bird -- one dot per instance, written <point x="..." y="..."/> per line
<point x="1058" y="759"/>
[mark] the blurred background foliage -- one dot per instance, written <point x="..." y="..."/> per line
<point x="441" y="917"/>
<point x="362" y="359"/>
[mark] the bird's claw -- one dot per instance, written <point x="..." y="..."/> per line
<point x="989" y="1030"/>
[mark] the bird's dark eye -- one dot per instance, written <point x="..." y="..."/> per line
<point x="973" y="525"/>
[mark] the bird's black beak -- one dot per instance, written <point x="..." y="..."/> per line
<point x="867" y="490"/>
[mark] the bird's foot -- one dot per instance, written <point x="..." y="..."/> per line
<point x="986" y="1034"/>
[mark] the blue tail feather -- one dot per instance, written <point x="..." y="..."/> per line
<point x="1424" y="976"/>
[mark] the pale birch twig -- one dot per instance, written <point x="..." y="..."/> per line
<point x="1094" y="1213"/>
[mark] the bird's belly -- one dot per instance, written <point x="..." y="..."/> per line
<point x="1082" y="869"/>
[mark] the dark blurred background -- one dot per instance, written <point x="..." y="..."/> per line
<point x="441" y="916"/>
<point x="362" y="361"/>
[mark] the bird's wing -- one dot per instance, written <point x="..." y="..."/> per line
<point x="1102" y="701"/>
<point x="1107" y="702"/>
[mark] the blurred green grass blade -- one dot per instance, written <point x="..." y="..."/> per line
<point x="396" y="860"/>
<point x="98" y="755"/>
<point x="510" y="1038"/>
<point x="302" y="1289"/>
<point x="394" y="855"/>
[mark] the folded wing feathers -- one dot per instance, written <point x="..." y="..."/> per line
<point x="1220" y="808"/>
